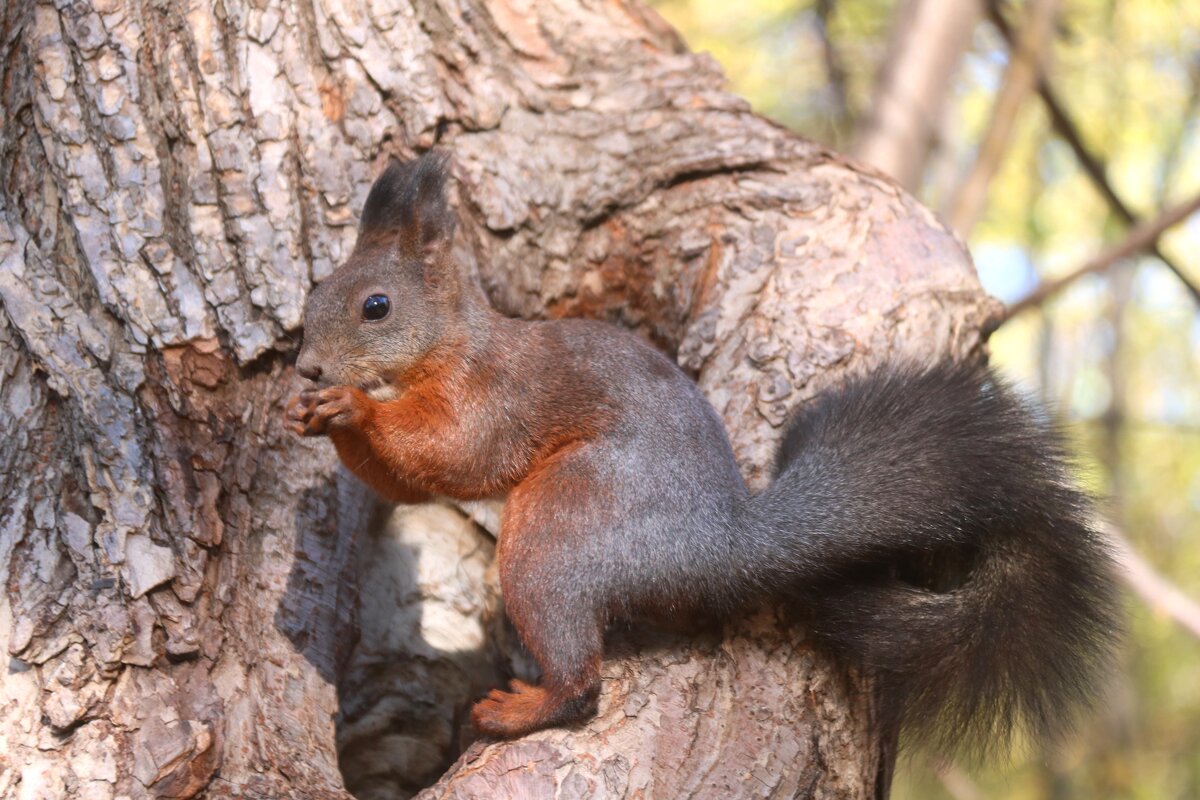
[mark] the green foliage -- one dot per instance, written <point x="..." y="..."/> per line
<point x="1117" y="353"/>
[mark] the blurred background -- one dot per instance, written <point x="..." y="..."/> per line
<point x="1061" y="140"/>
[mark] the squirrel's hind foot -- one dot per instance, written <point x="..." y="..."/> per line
<point x="527" y="708"/>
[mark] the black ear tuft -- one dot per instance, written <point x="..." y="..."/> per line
<point x="408" y="201"/>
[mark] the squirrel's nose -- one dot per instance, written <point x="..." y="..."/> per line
<point x="307" y="368"/>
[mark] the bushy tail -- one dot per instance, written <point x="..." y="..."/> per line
<point x="926" y="517"/>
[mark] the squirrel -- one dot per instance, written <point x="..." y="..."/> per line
<point x="923" y="516"/>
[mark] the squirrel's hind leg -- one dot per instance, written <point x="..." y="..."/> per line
<point x="544" y="572"/>
<point x="568" y="647"/>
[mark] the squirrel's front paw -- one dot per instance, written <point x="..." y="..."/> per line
<point x="315" y="412"/>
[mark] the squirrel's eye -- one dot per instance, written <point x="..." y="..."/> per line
<point x="376" y="306"/>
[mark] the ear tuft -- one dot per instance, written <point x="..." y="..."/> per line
<point x="408" y="201"/>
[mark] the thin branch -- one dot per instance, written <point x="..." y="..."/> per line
<point x="1158" y="425"/>
<point x="1140" y="238"/>
<point x="956" y="782"/>
<point x="1160" y="593"/>
<point x="1026" y="64"/>
<point x="835" y="69"/>
<point x="1181" y="135"/>
<point x="1092" y="165"/>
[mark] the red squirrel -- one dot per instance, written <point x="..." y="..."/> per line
<point x="922" y="515"/>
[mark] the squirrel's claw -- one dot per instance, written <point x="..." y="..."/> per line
<point x="314" y="412"/>
<point x="297" y="413"/>
<point x="526" y="708"/>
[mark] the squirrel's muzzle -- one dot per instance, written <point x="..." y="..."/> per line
<point x="307" y="366"/>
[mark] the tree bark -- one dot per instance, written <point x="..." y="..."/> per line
<point x="181" y="613"/>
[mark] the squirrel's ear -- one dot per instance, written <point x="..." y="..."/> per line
<point x="408" y="201"/>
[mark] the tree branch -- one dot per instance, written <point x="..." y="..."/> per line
<point x="1187" y="118"/>
<point x="835" y="68"/>
<point x="1147" y="583"/>
<point x="1092" y="165"/>
<point x="1142" y="237"/>
<point x="957" y="783"/>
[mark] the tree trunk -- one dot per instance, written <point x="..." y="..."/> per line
<point x="1027" y="63"/>
<point x="927" y="41"/>
<point x="181" y="614"/>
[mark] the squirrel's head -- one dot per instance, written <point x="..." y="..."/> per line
<point x="394" y="299"/>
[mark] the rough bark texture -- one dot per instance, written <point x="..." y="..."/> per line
<point x="180" y="610"/>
